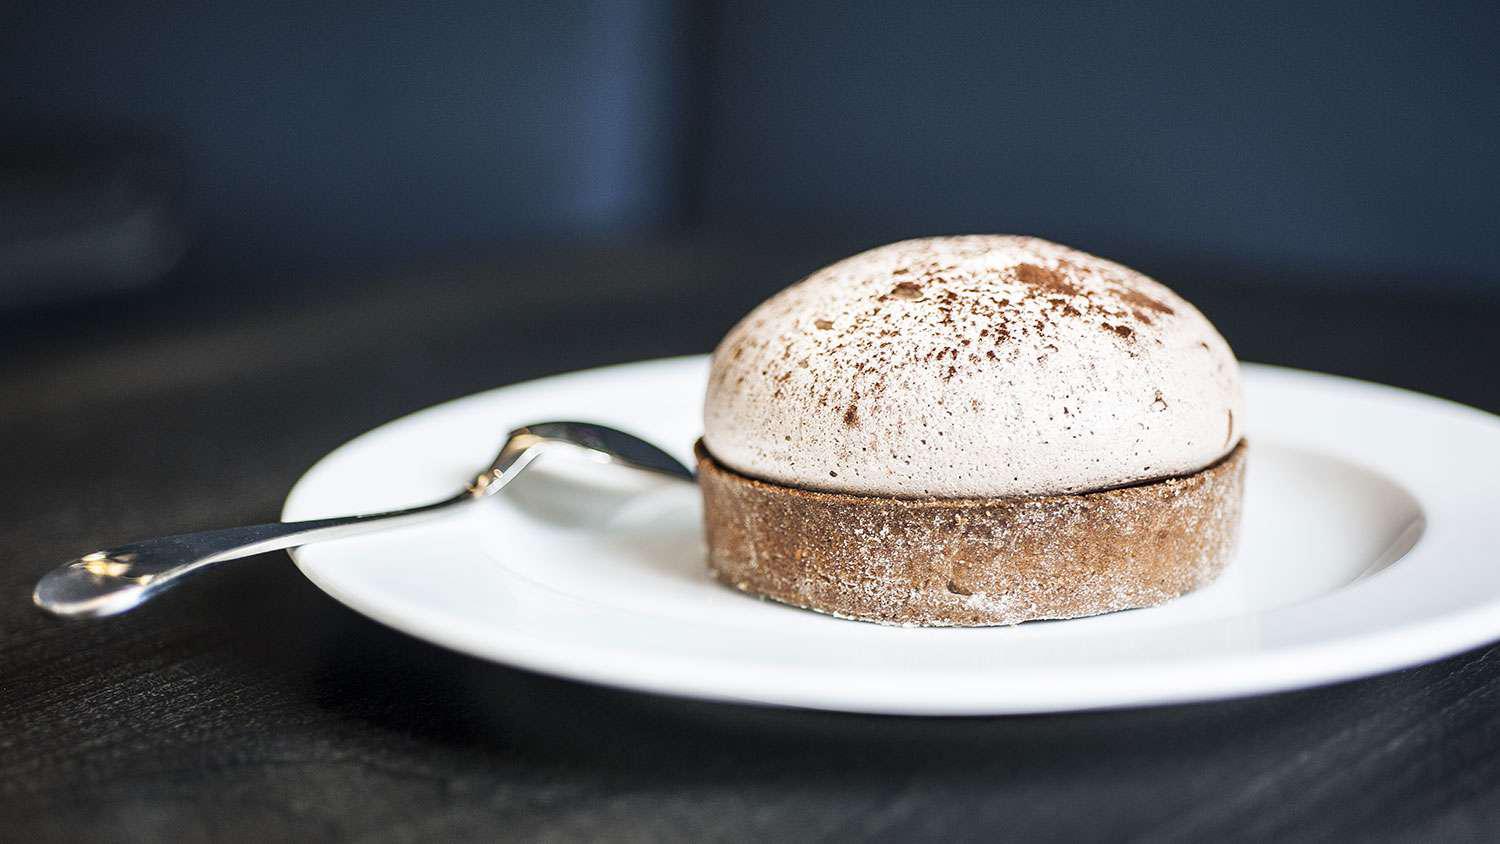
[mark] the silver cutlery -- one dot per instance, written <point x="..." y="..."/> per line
<point x="114" y="580"/>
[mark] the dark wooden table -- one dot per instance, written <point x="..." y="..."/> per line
<point x="249" y="706"/>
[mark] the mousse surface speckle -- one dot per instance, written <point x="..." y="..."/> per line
<point x="984" y="365"/>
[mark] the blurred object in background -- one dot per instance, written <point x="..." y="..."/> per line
<point x="322" y="139"/>
<point x="85" y="210"/>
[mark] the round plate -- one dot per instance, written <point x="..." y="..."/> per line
<point x="1365" y="547"/>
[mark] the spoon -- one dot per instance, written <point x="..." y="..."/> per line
<point x="117" y="579"/>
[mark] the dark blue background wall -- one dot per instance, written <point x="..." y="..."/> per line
<point x="1299" y="142"/>
<point x="320" y="134"/>
<point x="1292" y="138"/>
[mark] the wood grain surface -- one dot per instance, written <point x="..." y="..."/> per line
<point x="249" y="706"/>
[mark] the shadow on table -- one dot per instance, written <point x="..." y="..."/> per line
<point x="405" y="685"/>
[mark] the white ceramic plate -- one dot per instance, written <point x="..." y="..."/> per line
<point x="1367" y="546"/>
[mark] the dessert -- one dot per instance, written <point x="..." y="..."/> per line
<point x="972" y="430"/>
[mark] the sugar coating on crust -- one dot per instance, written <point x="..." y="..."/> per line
<point x="969" y="562"/>
<point x="981" y="365"/>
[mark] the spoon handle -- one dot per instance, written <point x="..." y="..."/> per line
<point x="114" y="580"/>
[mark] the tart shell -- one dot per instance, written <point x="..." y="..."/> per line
<point x="971" y="561"/>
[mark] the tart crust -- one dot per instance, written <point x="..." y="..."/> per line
<point x="971" y="561"/>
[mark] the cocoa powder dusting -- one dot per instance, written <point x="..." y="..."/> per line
<point x="1044" y="279"/>
<point x="1136" y="298"/>
<point x="944" y="314"/>
<point x="908" y="290"/>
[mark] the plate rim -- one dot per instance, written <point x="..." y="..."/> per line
<point x="1266" y="671"/>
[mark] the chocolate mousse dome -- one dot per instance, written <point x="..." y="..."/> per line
<point x="972" y="366"/>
